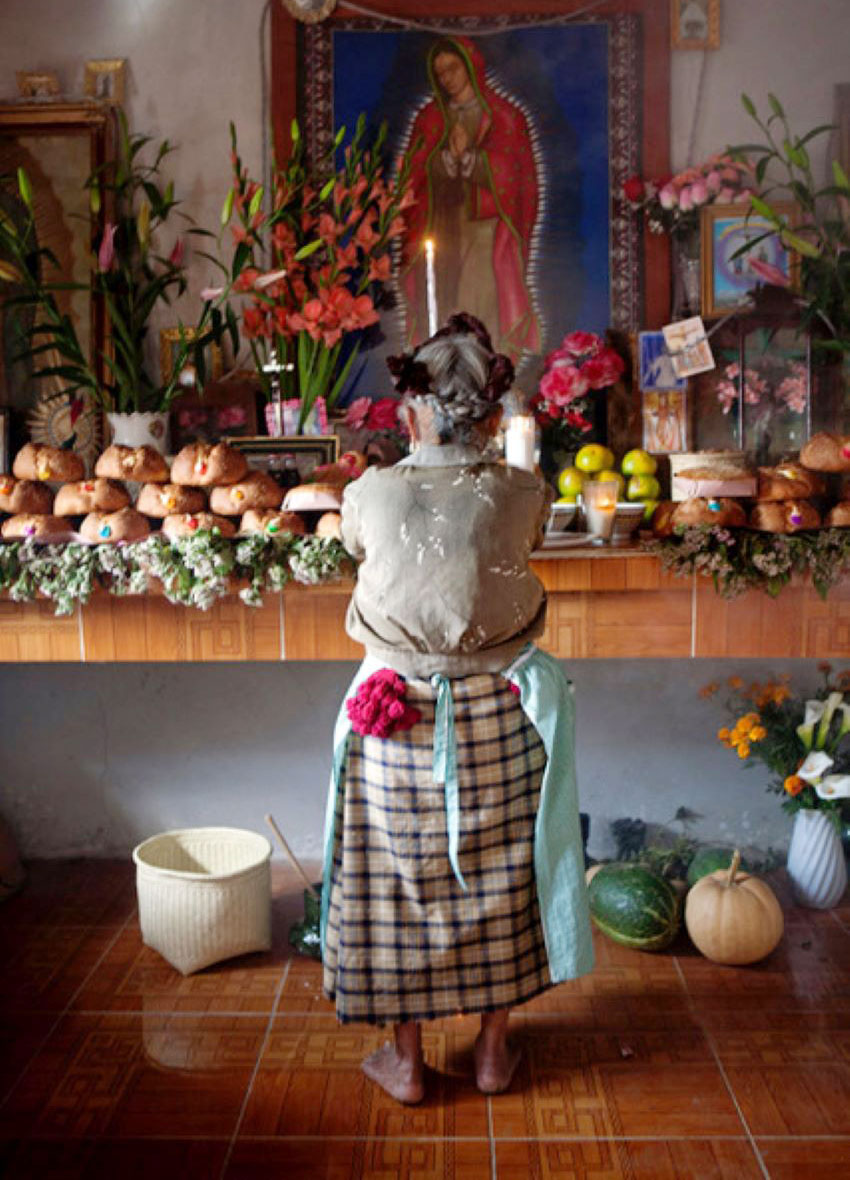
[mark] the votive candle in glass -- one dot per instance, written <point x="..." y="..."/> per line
<point x="600" y="507"/>
<point x="520" y="441"/>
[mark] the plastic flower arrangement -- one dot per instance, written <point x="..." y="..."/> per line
<point x="803" y="743"/>
<point x="773" y="390"/>
<point x="581" y="365"/>
<point x="130" y="277"/>
<point x="312" y="262"/>
<point x="671" y="204"/>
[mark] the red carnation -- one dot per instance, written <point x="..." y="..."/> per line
<point x="634" y="189"/>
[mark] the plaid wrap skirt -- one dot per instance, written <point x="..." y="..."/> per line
<point x="404" y="940"/>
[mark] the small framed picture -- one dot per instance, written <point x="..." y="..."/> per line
<point x="695" y="24"/>
<point x="688" y="346"/>
<point x="665" y="421"/>
<point x="655" y="365"/>
<point x="284" y="457"/>
<point x="169" y="341"/>
<point x="227" y="409"/>
<point x="104" y="80"/>
<point x="4" y="442"/>
<point x="37" y="84"/>
<point x="730" y="270"/>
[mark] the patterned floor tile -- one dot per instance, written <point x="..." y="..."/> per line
<point x="21" y="1035"/>
<point x="318" y="1159"/>
<point x="302" y="989"/>
<point x="43" y="966"/>
<point x="615" y="1085"/>
<point x="134" y="978"/>
<point x="806" y="1159"/>
<point x="131" y="1076"/>
<point x="789" y="1098"/>
<point x="771" y="983"/>
<point x="80" y="892"/>
<point x="721" y="1159"/>
<point x="310" y="1083"/>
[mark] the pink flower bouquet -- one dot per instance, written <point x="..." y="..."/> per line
<point x="671" y="204"/>
<point x="583" y="363"/>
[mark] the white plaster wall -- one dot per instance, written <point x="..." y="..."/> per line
<point x="94" y="759"/>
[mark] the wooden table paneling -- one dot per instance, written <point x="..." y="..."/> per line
<point x="314" y="623"/>
<point x="31" y="633"/>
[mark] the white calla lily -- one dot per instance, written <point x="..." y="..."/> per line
<point x="845" y="721"/>
<point x="814" y="711"/>
<point x="834" y="786"/>
<point x="815" y="766"/>
<point x="832" y="702"/>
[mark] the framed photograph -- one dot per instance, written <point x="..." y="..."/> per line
<point x="579" y="106"/>
<point x="4" y="443"/>
<point x="299" y="454"/>
<point x="665" y="421"/>
<point x="695" y="24"/>
<point x="730" y="273"/>
<point x="655" y="365"/>
<point x="169" y="340"/>
<point x="37" y="85"/>
<point x="227" y="409"/>
<point x="104" y="80"/>
<point x="688" y="346"/>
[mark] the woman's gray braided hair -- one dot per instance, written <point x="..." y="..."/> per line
<point x="456" y="374"/>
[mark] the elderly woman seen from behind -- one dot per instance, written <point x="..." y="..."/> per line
<point x="454" y="878"/>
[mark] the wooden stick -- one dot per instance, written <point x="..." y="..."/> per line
<point x="293" y="858"/>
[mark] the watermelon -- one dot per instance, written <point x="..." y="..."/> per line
<point x="709" y="860"/>
<point x="634" y="907"/>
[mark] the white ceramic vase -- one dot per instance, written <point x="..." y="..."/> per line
<point x="140" y="430"/>
<point x="816" y="862"/>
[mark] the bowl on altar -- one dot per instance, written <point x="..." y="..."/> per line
<point x="561" y="517"/>
<point x="626" y="522"/>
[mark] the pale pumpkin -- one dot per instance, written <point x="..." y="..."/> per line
<point x="590" y="873"/>
<point x="732" y="917"/>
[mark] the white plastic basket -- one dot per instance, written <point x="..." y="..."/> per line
<point x="204" y="895"/>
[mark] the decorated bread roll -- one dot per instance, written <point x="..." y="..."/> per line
<point x="37" y="461"/>
<point x="826" y="452"/>
<point x="784" y="516"/>
<point x="203" y="466"/>
<point x="24" y="495"/>
<point x="163" y="499"/>
<point x="720" y="511"/>
<point x="107" y="528"/>
<point x="838" y="516"/>
<point x="41" y="527"/>
<point x="91" y="495"/>
<point x="140" y="464"/>
<point x="662" y="518"/>
<point x="329" y="525"/>
<point x="267" y="520"/>
<point x="186" y="524"/>
<point x="710" y="482"/>
<point x="313" y="497"/>
<point x="256" y="490"/>
<point x="788" y="481"/>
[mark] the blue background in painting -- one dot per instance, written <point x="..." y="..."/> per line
<point x="560" y="76"/>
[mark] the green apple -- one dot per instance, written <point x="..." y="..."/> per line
<point x="649" y="507"/>
<point x="638" y="462"/>
<point x="594" y="457"/>
<point x="643" y="487"/>
<point x="612" y="477"/>
<point x="570" y="482"/>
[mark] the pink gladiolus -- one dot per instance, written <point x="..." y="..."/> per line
<point x="769" y="273"/>
<point x="357" y="413"/>
<point x="106" y="253"/>
<point x="667" y="197"/>
<point x="210" y="293"/>
<point x="176" y="255"/>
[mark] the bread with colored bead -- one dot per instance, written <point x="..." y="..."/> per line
<point x="314" y="497"/>
<point x="268" y="520"/>
<point x="788" y="481"/>
<point x="329" y="525"/>
<point x="162" y="499"/>
<point x="187" y="524"/>
<point x="721" y="511"/>
<point x="202" y="465"/>
<point x="24" y="495"/>
<point x="108" y="528"/>
<point x="38" y="526"/>
<point x="826" y="452"/>
<point x="139" y="464"/>
<point x="256" y="490"/>
<point x="42" y="462"/>
<point x="838" y="516"/>
<point x="91" y="495"/>
<point x="784" y="516"/>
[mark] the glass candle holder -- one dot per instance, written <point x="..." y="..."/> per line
<point x="520" y="441"/>
<point x="600" y="507"/>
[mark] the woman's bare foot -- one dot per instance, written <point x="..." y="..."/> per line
<point x="398" y="1069"/>
<point x="495" y="1059"/>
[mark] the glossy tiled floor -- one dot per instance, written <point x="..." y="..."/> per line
<point x="655" y="1067"/>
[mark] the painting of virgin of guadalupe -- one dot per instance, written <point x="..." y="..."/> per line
<point x="518" y="140"/>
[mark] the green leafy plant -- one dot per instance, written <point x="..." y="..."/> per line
<point x="130" y="277"/>
<point x="821" y="236"/>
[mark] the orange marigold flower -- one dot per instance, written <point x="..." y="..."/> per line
<point x="735" y="682"/>
<point x="743" y="750"/>
<point x="758" y="733"/>
<point x="793" y="784"/>
<point x="781" y="693"/>
<point x="708" y="690"/>
<point x="723" y="734"/>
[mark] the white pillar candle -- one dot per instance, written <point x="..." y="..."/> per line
<point x="600" y="507"/>
<point x="519" y="442"/>
<point x="431" y="286"/>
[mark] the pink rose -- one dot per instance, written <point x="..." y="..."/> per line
<point x="686" y="201"/>
<point x="581" y="344"/>
<point x="357" y="413"/>
<point x="713" y="181"/>
<point x="667" y="197"/>
<point x="383" y="414"/>
<point x="601" y="371"/>
<point x="699" y="192"/>
<point x="563" y="384"/>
